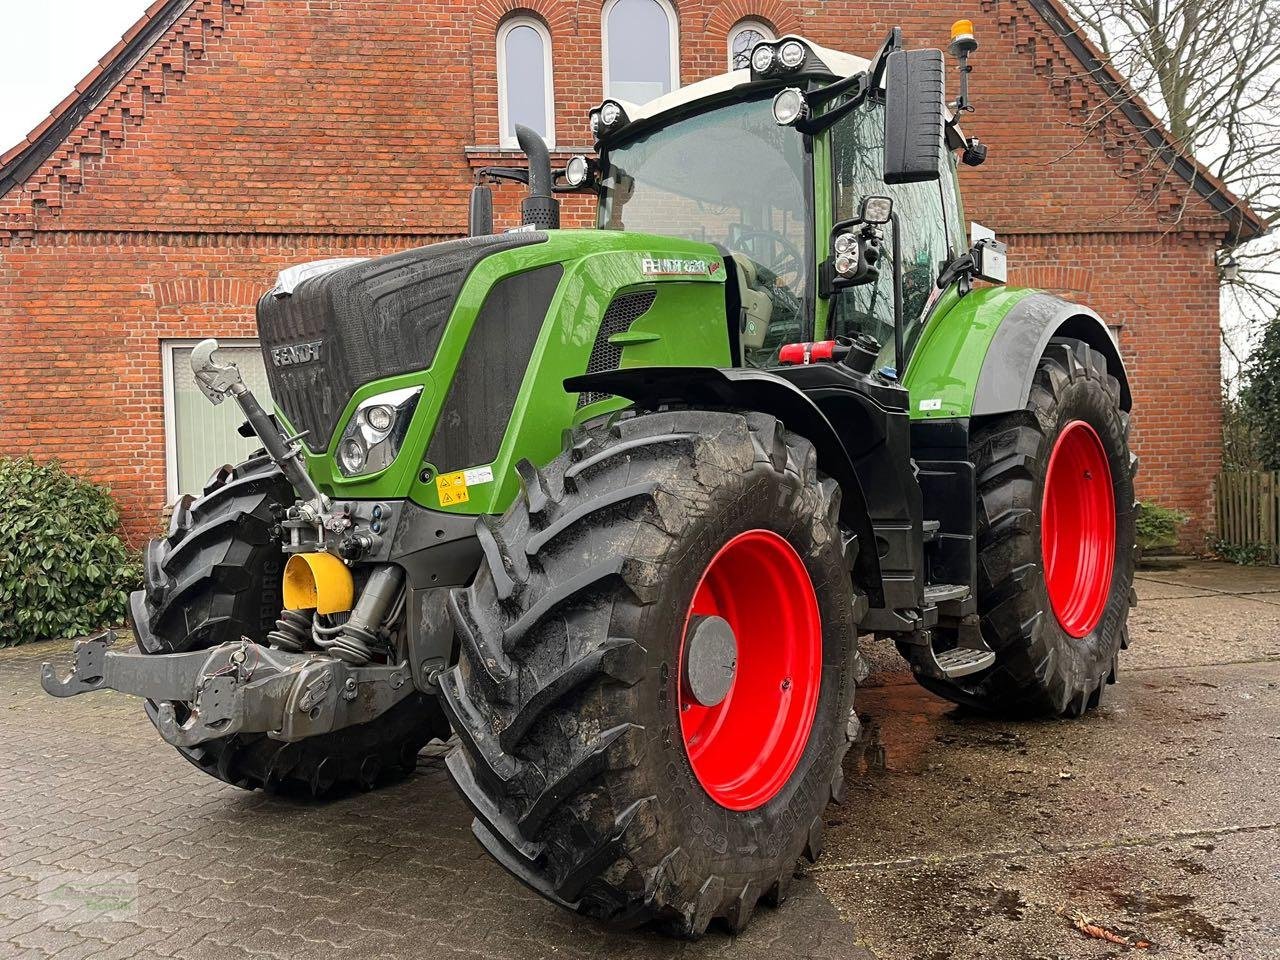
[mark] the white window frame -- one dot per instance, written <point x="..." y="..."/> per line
<point x="167" y="347"/>
<point x="747" y="23"/>
<point x="505" y="139"/>
<point x="673" y="39"/>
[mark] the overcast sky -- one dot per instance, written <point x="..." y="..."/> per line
<point x="46" y="48"/>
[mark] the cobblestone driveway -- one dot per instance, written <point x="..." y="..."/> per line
<point x="963" y="838"/>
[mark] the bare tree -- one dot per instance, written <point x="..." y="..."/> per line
<point x="1210" y="70"/>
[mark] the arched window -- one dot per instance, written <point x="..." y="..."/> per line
<point x="641" y="49"/>
<point x="745" y="35"/>
<point x="525" y="93"/>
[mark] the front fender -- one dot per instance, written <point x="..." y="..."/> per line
<point x="750" y="389"/>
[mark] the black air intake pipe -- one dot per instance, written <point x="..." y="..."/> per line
<point x="540" y="209"/>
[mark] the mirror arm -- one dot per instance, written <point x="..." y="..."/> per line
<point x="816" y="125"/>
<point x="891" y="43"/>
<point x="516" y="174"/>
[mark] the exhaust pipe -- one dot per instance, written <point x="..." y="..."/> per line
<point x="540" y="209"/>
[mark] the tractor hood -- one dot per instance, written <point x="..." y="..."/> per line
<point x="329" y="328"/>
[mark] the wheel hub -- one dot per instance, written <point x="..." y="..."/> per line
<point x="710" y="660"/>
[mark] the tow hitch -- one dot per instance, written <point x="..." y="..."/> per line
<point x="234" y="688"/>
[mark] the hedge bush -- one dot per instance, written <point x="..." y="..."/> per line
<point x="1157" y="527"/>
<point x="64" y="572"/>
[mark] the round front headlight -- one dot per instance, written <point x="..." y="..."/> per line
<point x="846" y="263"/>
<point x="844" y="243"/>
<point x="789" y="106"/>
<point x="380" y="418"/>
<point x="762" y="58"/>
<point x="595" y="125"/>
<point x="575" y="171"/>
<point x="609" y="113"/>
<point x="791" y="54"/>
<point x="352" y="455"/>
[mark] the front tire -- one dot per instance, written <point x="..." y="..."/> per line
<point x="571" y="700"/>
<point x="1055" y="542"/>
<point x="216" y="578"/>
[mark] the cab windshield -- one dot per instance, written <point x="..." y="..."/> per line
<point x="730" y="177"/>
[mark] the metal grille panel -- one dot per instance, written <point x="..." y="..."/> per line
<point x="625" y="310"/>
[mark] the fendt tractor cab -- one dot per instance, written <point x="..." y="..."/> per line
<point x="613" y="506"/>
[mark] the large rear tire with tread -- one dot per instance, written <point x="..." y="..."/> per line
<point x="1057" y="633"/>
<point x="216" y="578"/>
<point x="568" y="698"/>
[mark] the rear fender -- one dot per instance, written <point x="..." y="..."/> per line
<point x="750" y="389"/>
<point x="1009" y="367"/>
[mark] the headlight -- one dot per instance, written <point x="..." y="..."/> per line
<point x="762" y="58"/>
<point x="576" y="171"/>
<point x="791" y="54"/>
<point x="376" y="431"/>
<point x="610" y="113"/>
<point x="789" y="107"/>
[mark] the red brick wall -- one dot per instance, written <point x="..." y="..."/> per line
<point x="259" y="134"/>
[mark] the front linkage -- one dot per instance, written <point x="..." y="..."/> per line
<point x="240" y="687"/>
<point x="312" y="679"/>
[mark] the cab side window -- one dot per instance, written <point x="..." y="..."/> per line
<point x="857" y="144"/>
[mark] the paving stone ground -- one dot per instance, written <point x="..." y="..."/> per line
<point x="963" y="838"/>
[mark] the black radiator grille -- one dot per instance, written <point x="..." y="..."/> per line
<point x="493" y="363"/>
<point x="625" y="310"/>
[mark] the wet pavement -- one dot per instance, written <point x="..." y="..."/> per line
<point x="1155" y="819"/>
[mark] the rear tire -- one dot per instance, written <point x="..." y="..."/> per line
<point x="1057" y="638"/>
<point x="567" y="698"/>
<point x="216" y="578"/>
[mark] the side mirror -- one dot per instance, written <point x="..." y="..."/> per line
<point x="914" y="116"/>
<point x="480" y="216"/>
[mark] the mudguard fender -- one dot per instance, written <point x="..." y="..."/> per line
<point x="750" y="389"/>
<point x="1009" y="367"/>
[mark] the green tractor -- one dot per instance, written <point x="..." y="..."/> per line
<point x="613" y="506"/>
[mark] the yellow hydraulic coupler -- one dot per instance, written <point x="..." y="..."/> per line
<point x="317" y="581"/>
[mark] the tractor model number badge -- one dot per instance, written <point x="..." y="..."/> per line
<point x="677" y="267"/>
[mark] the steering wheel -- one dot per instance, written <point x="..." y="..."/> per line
<point x="787" y="269"/>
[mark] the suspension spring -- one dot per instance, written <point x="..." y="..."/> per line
<point x="292" y="632"/>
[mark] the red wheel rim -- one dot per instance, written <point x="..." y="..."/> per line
<point x="744" y="749"/>
<point x="1078" y="528"/>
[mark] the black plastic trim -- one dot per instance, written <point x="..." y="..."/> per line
<point x="751" y="389"/>
<point x="1004" y="383"/>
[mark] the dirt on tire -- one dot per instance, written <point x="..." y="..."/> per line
<point x="565" y="696"/>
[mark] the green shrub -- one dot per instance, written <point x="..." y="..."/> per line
<point x="63" y="570"/>
<point x="1248" y="555"/>
<point x="1157" y="527"/>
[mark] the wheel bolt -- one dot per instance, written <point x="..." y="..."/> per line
<point x="786" y="683"/>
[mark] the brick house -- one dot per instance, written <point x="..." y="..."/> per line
<point x="222" y="140"/>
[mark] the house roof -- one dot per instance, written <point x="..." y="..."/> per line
<point x="21" y="161"/>
<point x="1245" y="224"/>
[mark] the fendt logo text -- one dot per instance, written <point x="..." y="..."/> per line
<point x="668" y="267"/>
<point x="295" y="353"/>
